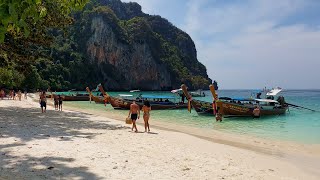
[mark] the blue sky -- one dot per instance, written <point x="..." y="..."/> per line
<point x="250" y="43"/>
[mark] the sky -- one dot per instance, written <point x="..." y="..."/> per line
<point x="250" y="44"/>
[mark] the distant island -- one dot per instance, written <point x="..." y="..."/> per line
<point x="109" y="42"/>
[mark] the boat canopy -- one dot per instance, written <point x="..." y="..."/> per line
<point x="157" y="97"/>
<point x="266" y="100"/>
<point x="135" y="90"/>
<point x="225" y="98"/>
<point x="125" y="95"/>
<point x="236" y="99"/>
<point x="274" y="92"/>
<point x="241" y="99"/>
<point x="176" y="90"/>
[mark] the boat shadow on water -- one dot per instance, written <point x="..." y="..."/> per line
<point x="250" y="118"/>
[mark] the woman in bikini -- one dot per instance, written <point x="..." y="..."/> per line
<point x="146" y="115"/>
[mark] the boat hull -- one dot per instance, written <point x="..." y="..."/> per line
<point x="233" y="109"/>
<point x="203" y="108"/>
<point x="118" y="103"/>
<point x="98" y="100"/>
<point x="76" y="98"/>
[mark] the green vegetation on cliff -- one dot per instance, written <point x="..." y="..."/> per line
<point x="105" y="40"/>
<point x="24" y="37"/>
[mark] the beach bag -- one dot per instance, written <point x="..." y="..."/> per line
<point x="128" y="120"/>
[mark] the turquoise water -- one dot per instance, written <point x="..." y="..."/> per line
<point x="297" y="125"/>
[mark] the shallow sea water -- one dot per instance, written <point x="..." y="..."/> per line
<point x="297" y="125"/>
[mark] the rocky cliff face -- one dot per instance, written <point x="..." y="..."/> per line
<point x="133" y="50"/>
<point x="132" y="65"/>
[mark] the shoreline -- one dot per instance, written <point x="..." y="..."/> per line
<point x="257" y="144"/>
<point x="286" y="150"/>
<point x="80" y="144"/>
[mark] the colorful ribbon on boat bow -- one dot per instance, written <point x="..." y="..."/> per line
<point x="189" y="104"/>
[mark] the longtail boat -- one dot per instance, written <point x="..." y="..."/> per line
<point x="76" y="98"/>
<point x="97" y="100"/>
<point x="124" y="102"/>
<point x="236" y="106"/>
<point x="80" y="97"/>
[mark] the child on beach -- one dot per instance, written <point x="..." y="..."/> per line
<point x="146" y="115"/>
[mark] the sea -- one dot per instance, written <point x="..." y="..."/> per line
<point x="297" y="125"/>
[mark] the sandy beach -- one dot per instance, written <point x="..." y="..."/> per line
<point x="78" y="144"/>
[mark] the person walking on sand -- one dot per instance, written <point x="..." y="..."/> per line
<point x="25" y="94"/>
<point x="56" y="101"/>
<point x="43" y="102"/>
<point x="13" y="94"/>
<point x="10" y="94"/>
<point x="135" y="114"/>
<point x="60" y="102"/>
<point x="19" y="95"/>
<point x="2" y="94"/>
<point x="146" y="108"/>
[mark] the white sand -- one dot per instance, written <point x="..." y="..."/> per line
<point x="79" y="145"/>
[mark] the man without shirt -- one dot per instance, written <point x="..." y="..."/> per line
<point x="135" y="114"/>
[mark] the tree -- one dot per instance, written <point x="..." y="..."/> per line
<point x="26" y="27"/>
<point x="25" y="18"/>
<point x="10" y="78"/>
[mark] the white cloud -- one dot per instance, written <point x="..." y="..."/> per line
<point x="250" y="43"/>
<point x="287" y="57"/>
<point x="247" y="46"/>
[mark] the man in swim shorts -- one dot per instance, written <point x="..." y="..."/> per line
<point x="135" y="114"/>
<point x="43" y="101"/>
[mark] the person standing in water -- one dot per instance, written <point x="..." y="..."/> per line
<point x="43" y="102"/>
<point x="146" y="115"/>
<point x="135" y="114"/>
<point x="256" y="112"/>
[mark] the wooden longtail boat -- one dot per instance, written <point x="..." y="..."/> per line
<point x="123" y="103"/>
<point x="71" y="98"/>
<point x="97" y="100"/>
<point x="76" y="98"/>
<point x="235" y="107"/>
<point x="201" y="107"/>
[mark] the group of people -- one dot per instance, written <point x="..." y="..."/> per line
<point x="43" y="102"/>
<point x="13" y="95"/>
<point x="134" y="114"/>
<point x="57" y="102"/>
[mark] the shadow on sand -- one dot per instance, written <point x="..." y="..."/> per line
<point x="27" y="124"/>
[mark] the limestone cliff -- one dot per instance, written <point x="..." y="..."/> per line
<point x="133" y="50"/>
